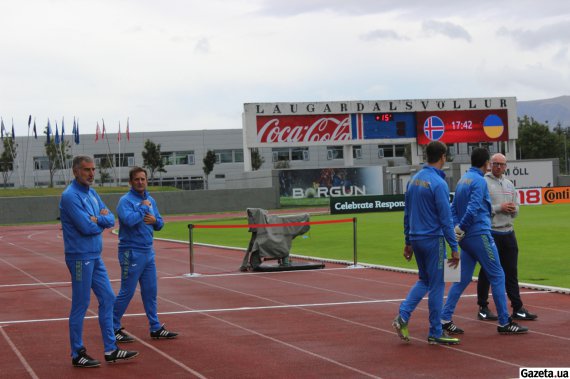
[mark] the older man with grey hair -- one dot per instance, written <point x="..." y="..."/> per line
<point x="505" y="207"/>
<point x="84" y="217"/>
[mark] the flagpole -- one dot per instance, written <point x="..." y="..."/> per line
<point x="120" y="162"/>
<point x="109" y="152"/>
<point x="58" y="151"/>
<point x="64" y="161"/>
<point x="27" y="150"/>
<point x="13" y="153"/>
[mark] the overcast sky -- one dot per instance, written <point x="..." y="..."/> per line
<point x="185" y="64"/>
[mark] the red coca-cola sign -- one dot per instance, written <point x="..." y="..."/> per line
<point x="306" y="128"/>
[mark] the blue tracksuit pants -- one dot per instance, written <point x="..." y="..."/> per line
<point x="137" y="266"/>
<point x="429" y="254"/>
<point x="482" y="249"/>
<point x="85" y="276"/>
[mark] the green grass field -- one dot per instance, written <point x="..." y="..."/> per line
<point x="542" y="232"/>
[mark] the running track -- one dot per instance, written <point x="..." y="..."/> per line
<point x="332" y="323"/>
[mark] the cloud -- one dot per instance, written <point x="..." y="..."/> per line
<point x="379" y="34"/>
<point x="202" y="46"/>
<point x="447" y="29"/>
<point x="545" y="35"/>
<point x="561" y="55"/>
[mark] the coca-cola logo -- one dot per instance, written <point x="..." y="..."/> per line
<point x="303" y="128"/>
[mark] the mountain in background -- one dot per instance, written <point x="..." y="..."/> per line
<point x="550" y="111"/>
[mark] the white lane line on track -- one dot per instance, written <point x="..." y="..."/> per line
<point x="47" y="285"/>
<point x="18" y="354"/>
<point x="163" y="354"/>
<point x="327" y="315"/>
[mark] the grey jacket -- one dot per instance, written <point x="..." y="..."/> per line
<point x="501" y="190"/>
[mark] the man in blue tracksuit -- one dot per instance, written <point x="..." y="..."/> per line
<point x="138" y="219"/>
<point x="427" y="225"/>
<point x="471" y="211"/>
<point x="83" y="218"/>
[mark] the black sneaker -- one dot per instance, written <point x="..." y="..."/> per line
<point x="523" y="314"/>
<point x="84" y="360"/>
<point x="120" y="355"/>
<point x="451" y="328"/>
<point x="486" y="314"/>
<point x="512" y="328"/>
<point x="163" y="333"/>
<point x="123" y="337"/>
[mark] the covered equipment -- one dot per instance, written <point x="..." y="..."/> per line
<point x="274" y="243"/>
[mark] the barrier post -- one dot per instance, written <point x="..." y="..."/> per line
<point x="354" y="247"/>
<point x="191" y="248"/>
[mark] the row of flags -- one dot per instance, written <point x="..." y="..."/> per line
<point x="57" y="138"/>
<point x="3" y="129"/>
<point x="61" y="138"/>
<point x="102" y="132"/>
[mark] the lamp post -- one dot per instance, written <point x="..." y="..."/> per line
<point x="565" y="149"/>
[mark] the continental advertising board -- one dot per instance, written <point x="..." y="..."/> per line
<point x="544" y="196"/>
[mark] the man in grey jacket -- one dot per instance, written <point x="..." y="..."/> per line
<point x="505" y="207"/>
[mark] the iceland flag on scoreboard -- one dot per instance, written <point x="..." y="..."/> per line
<point x="434" y="128"/>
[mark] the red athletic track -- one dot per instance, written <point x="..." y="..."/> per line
<point x="332" y="323"/>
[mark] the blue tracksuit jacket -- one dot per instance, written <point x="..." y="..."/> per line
<point x="133" y="232"/>
<point x="427" y="220"/>
<point x="430" y="214"/>
<point x="471" y="210"/>
<point x="83" y="244"/>
<point x="136" y="256"/>
<point x="81" y="236"/>
<point x="471" y="207"/>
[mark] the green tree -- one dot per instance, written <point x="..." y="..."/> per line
<point x="563" y="136"/>
<point x="7" y="159"/>
<point x="209" y="162"/>
<point x="104" y="175"/>
<point x="58" y="157"/>
<point x="152" y="158"/>
<point x="256" y="160"/>
<point x="536" y="141"/>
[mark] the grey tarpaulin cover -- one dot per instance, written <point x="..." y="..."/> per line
<point x="273" y="242"/>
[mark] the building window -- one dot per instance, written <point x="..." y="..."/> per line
<point x="280" y="154"/>
<point x="41" y="163"/>
<point x="399" y="150"/>
<point x="391" y="151"/>
<point x="177" y="158"/>
<point x="299" y="154"/>
<point x="114" y="160"/>
<point x="229" y="156"/>
<point x="357" y="152"/>
<point x="124" y="159"/>
<point x="103" y="161"/>
<point x="220" y="176"/>
<point x="335" y="152"/>
<point x="290" y="154"/>
<point x="387" y="151"/>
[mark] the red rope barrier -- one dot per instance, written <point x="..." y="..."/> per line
<point x="201" y="226"/>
